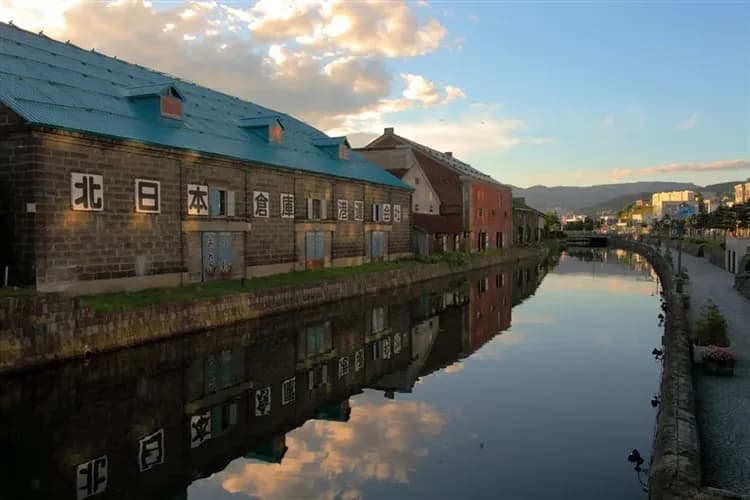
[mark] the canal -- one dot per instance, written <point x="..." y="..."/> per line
<point x="523" y="382"/>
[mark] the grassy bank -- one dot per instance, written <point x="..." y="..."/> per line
<point x="126" y="300"/>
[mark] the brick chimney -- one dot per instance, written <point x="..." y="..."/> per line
<point x="388" y="131"/>
<point x="449" y="154"/>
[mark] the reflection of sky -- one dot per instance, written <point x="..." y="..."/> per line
<point x="547" y="409"/>
<point x="382" y="442"/>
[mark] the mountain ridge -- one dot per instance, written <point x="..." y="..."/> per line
<point x="576" y="198"/>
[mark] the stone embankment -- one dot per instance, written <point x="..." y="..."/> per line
<point x="675" y="471"/>
<point x="45" y="328"/>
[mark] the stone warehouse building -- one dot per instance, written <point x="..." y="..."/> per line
<point x="456" y="205"/>
<point x="528" y="223"/>
<point x="113" y="177"/>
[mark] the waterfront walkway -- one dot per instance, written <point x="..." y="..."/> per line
<point x="723" y="402"/>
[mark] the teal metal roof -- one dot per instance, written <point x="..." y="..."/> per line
<point x="62" y="86"/>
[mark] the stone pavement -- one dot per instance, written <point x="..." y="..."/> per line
<point x="723" y="403"/>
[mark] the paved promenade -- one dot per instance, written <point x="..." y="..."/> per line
<point x="723" y="402"/>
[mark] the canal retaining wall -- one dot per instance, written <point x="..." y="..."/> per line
<point x="713" y="254"/>
<point x="45" y="328"/>
<point x="675" y="470"/>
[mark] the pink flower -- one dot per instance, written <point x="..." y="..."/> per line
<point x="720" y="354"/>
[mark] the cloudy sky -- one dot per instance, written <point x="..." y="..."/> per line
<point x="535" y="92"/>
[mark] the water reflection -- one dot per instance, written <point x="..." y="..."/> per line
<point x="409" y="394"/>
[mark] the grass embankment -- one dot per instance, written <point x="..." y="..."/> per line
<point x="16" y="292"/>
<point x="127" y="300"/>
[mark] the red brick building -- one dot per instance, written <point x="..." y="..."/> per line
<point x="468" y="199"/>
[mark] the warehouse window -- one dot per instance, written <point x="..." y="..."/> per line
<point x="171" y="105"/>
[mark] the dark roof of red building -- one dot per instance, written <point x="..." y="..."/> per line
<point x="437" y="223"/>
<point x="389" y="140"/>
<point x="398" y="172"/>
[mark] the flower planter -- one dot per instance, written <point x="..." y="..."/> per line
<point x="722" y="368"/>
<point x="698" y="351"/>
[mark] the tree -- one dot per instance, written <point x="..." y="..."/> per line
<point x="550" y="221"/>
<point x="701" y="203"/>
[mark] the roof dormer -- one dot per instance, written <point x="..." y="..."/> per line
<point x="334" y="146"/>
<point x="268" y="127"/>
<point x="169" y="97"/>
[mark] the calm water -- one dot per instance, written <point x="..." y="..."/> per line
<point x="519" y="382"/>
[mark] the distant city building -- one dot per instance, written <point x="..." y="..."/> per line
<point x="670" y="202"/>
<point x="567" y="219"/>
<point x="641" y="218"/>
<point x="742" y="192"/>
<point x="608" y="220"/>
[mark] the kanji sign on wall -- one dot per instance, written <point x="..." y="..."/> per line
<point x="197" y="199"/>
<point x="342" y="211"/>
<point x="151" y="451"/>
<point x="86" y="192"/>
<point x="200" y="428"/>
<point x="147" y="196"/>
<point x="263" y="401"/>
<point x="91" y="478"/>
<point x="261" y="204"/>
<point x="396" y="213"/>
<point x="287" y="205"/>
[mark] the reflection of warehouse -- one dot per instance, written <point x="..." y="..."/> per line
<point x="113" y="176"/>
<point x="147" y="422"/>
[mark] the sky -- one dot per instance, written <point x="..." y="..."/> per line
<point x="530" y="92"/>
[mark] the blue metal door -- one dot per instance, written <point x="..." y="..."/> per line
<point x="208" y="257"/>
<point x="315" y="249"/>
<point x="378" y="245"/>
<point x="216" y="259"/>
<point x="225" y="255"/>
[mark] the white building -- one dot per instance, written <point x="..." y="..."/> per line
<point x="737" y="253"/>
<point x="669" y="202"/>
<point x="742" y="192"/>
<point x="401" y="162"/>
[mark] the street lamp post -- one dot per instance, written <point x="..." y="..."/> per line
<point x="680" y="232"/>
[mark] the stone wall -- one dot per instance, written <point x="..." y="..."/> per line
<point x="675" y="471"/>
<point x="59" y="249"/>
<point x="17" y="180"/>
<point x="51" y="327"/>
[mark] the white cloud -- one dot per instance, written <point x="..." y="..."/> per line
<point x="322" y="61"/>
<point x="478" y="130"/>
<point x="418" y="88"/>
<point x="39" y="15"/>
<point x="671" y="168"/>
<point x="691" y="122"/>
<point x="349" y="26"/>
<point x="452" y="92"/>
<point x="608" y="122"/>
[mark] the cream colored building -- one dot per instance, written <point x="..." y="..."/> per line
<point x="401" y="162"/>
<point x="742" y="192"/>
<point x="669" y="202"/>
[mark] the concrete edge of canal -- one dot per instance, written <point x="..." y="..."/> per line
<point x="675" y="471"/>
<point x="49" y="328"/>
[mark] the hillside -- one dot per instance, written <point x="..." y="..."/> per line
<point x="615" y="204"/>
<point x="592" y="200"/>
<point x="573" y="198"/>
